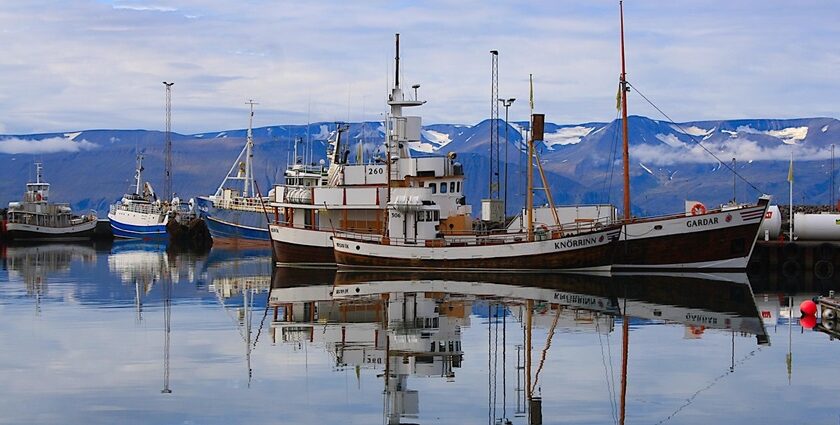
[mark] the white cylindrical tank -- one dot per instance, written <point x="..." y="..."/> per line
<point x="817" y="227"/>
<point x="771" y="227"/>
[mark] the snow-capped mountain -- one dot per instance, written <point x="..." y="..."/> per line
<point x="669" y="162"/>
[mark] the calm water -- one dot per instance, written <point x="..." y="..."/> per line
<point x="132" y="334"/>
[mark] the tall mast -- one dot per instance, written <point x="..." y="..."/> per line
<point x="167" y="178"/>
<point x="626" y="144"/>
<point x="247" y="188"/>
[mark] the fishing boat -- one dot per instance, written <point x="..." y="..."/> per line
<point x="721" y="238"/>
<point x="236" y="216"/>
<point x="140" y="214"/>
<point x="414" y="241"/>
<point x="35" y="218"/>
<point x="316" y="201"/>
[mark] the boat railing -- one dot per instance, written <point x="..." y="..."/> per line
<point x="256" y="204"/>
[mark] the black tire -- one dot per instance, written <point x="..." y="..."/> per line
<point x="791" y="268"/>
<point x="823" y="270"/>
<point x="791" y="250"/>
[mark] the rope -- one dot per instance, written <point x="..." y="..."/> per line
<point x="545" y="350"/>
<point x="608" y="178"/>
<point x="262" y="322"/>
<point x="694" y="139"/>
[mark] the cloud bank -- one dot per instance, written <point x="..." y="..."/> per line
<point x="15" y="145"/>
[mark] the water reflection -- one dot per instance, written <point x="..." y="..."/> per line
<point x="418" y="348"/>
<point x="404" y="325"/>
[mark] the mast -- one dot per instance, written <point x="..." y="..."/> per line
<point x="167" y="180"/>
<point x="625" y="143"/>
<point x="247" y="188"/>
<point x="529" y="191"/>
<point x="137" y="175"/>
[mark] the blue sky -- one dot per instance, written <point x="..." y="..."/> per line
<point x="86" y="64"/>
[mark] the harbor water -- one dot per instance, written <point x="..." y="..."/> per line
<point x="136" y="333"/>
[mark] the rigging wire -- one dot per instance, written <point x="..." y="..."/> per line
<point x="612" y="157"/>
<point x="711" y="384"/>
<point x="607" y="372"/>
<point x="694" y="139"/>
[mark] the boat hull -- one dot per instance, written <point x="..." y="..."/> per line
<point x="588" y="252"/>
<point x="138" y="226"/>
<point x="234" y="227"/>
<point x="20" y="231"/>
<point x="302" y="246"/>
<point x="720" y="240"/>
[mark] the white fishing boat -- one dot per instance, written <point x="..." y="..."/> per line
<point x="315" y="201"/>
<point x="140" y="214"/>
<point x="414" y="241"/>
<point x="237" y="214"/>
<point x="35" y="218"/>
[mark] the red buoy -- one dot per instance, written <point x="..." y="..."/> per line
<point x="808" y="308"/>
<point x="808" y="321"/>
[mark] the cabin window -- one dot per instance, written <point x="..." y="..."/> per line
<point x="458" y="187"/>
<point x="433" y="186"/>
<point x="452" y="187"/>
<point x="443" y="187"/>
<point x="421" y="216"/>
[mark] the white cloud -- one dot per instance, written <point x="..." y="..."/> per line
<point x="744" y="149"/>
<point x="119" y="52"/>
<point x="144" y="8"/>
<point x="16" y="145"/>
<point x="670" y="140"/>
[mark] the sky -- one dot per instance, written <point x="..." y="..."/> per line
<point x="94" y="64"/>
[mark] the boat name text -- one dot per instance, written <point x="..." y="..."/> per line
<point x="701" y="222"/>
<point x="574" y="243"/>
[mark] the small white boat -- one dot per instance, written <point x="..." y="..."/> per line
<point x="35" y="218"/>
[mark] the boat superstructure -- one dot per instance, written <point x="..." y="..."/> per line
<point x="313" y="204"/>
<point x="35" y="218"/>
<point x="237" y="214"/>
<point x="414" y="239"/>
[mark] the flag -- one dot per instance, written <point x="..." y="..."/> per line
<point x="790" y="170"/>
<point x="618" y="98"/>
<point x="531" y="79"/>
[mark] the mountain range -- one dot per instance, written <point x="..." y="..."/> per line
<point x="669" y="162"/>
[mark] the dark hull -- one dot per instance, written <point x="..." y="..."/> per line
<point x="596" y="257"/>
<point x="725" y="246"/>
<point x="680" y="251"/>
<point x="289" y="253"/>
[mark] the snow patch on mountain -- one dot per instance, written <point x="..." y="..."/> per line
<point x="824" y="128"/>
<point x="566" y="136"/>
<point x="436" y="137"/>
<point x="789" y="136"/>
<point x="693" y="130"/>
<point x="670" y="140"/>
<point x="16" y="145"/>
<point x="646" y="168"/>
<point x="72" y="136"/>
<point x="221" y="135"/>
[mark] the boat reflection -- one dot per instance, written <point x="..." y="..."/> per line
<point x="410" y="324"/>
<point x="34" y="265"/>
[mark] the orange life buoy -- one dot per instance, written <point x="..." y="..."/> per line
<point x="698" y="209"/>
<point x="38" y="197"/>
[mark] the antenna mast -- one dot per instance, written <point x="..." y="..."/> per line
<point x="494" y="125"/>
<point x="167" y="178"/>
<point x="249" y="157"/>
